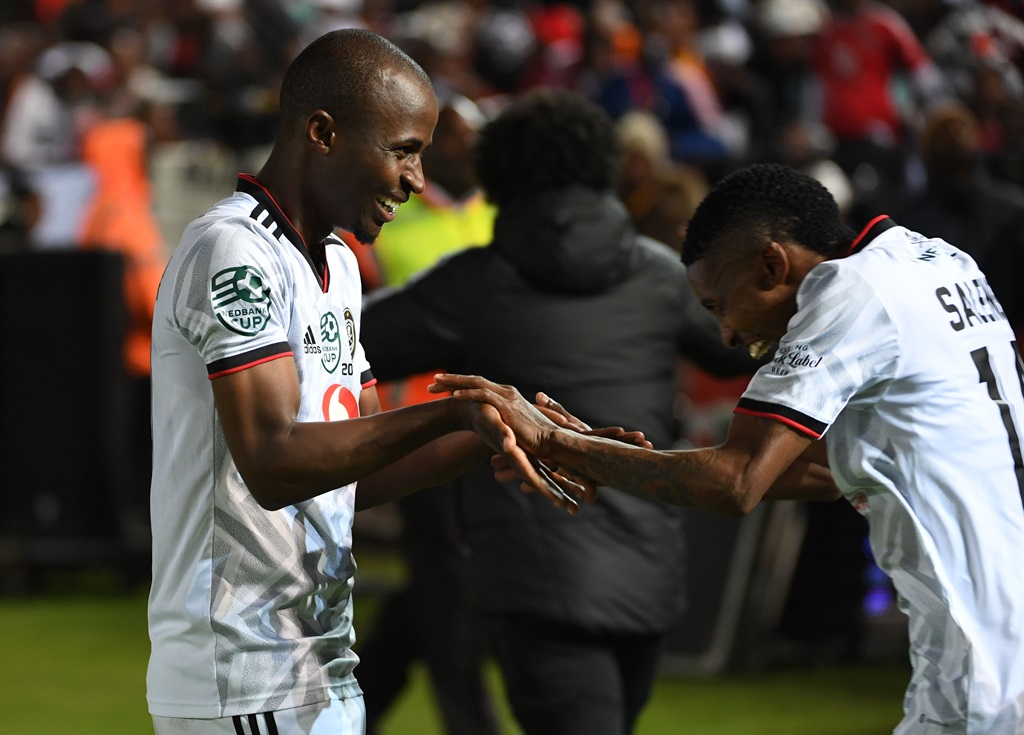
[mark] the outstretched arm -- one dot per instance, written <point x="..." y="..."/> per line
<point x="759" y="459"/>
<point x="285" y="461"/>
<point x="442" y="459"/>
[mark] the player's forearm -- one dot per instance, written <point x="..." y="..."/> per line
<point x="808" y="477"/>
<point x="804" y="480"/>
<point x="707" y="478"/>
<point x="307" y="459"/>
<point x="439" y="461"/>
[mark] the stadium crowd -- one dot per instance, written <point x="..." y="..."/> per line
<point x="880" y="101"/>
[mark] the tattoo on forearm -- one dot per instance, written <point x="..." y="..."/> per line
<point x="665" y="476"/>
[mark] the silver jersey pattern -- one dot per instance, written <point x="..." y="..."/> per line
<point x="902" y="358"/>
<point x="250" y="610"/>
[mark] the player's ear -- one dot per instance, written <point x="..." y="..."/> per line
<point x="320" y="130"/>
<point x="774" y="265"/>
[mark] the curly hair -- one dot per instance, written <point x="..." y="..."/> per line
<point x="546" y="139"/>
<point x="767" y="201"/>
<point x="341" y="72"/>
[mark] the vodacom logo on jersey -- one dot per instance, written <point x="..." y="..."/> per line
<point x="339" y="404"/>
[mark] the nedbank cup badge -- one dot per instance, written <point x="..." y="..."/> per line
<point x="241" y="300"/>
<point x="330" y="335"/>
<point x="350" y="332"/>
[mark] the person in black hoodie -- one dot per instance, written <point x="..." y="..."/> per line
<point x="567" y="299"/>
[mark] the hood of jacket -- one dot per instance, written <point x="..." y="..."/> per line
<point x="573" y="239"/>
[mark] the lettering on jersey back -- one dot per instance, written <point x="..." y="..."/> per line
<point x="971" y="303"/>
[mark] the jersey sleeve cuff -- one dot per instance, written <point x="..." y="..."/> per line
<point x="233" y="364"/>
<point x="788" y="416"/>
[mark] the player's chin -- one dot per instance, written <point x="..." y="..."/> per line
<point x="366" y="234"/>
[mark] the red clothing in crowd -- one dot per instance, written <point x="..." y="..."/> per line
<point x="857" y="57"/>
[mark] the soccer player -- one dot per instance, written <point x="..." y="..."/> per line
<point x="265" y="414"/>
<point x="891" y="348"/>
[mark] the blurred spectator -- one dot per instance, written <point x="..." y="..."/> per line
<point x="120" y="219"/>
<point x="53" y="99"/>
<point x="20" y="46"/>
<point x="970" y="35"/>
<point x="660" y="194"/>
<point x="621" y="78"/>
<point x="1001" y="126"/>
<point x="613" y="73"/>
<point x="250" y="44"/>
<point x="96" y="21"/>
<point x="141" y="89"/>
<point x="863" y="51"/>
<point x="785" y="35"/>
<point x="809" y="148"/>
<point x="504" y="46"/>
<point x="726" y="45"/>
<point x="963" y="204"/>
<point x="49" y="109"/>
<point x="440" y="36"/>
<point x="980" y="47"/>
<point x="430" y="618"/>
<point x="674" y="24"/>
<point x="569" y="300"/>
<point x="559" y="28"/>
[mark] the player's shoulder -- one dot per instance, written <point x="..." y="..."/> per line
<point x="900" y="247"/>
<point x="230" y="223"/>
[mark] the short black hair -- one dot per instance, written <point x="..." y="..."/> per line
<point x="546" y="139"/>
<point x="767" y="201"/>
<point x="340" y="73"/>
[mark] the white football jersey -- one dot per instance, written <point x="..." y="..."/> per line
<point x="901" y="356"/>
<point x="250" y="609"/>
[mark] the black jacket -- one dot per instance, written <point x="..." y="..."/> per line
<point x="569" y="300"/>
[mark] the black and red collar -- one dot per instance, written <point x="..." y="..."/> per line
<point x="873" y="229"/>
<point x="269" y="214"/>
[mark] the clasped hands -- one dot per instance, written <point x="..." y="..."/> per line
<point x="521" y="432"/>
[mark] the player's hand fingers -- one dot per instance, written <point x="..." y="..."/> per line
<point x="529" y="424"/>
<point x="557" y="413"/>
<point x="579" y="487"/>
<point x="445" y="382"/>
<point x="617" y="433"/>
<point x="503" y="471"/>
<point x="536" y="479"/>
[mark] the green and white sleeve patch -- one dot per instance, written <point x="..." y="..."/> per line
<point x="241" y="299"/>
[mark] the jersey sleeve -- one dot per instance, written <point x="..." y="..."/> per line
<point x="233" y="304"/>
<point x="841" y="347"/>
